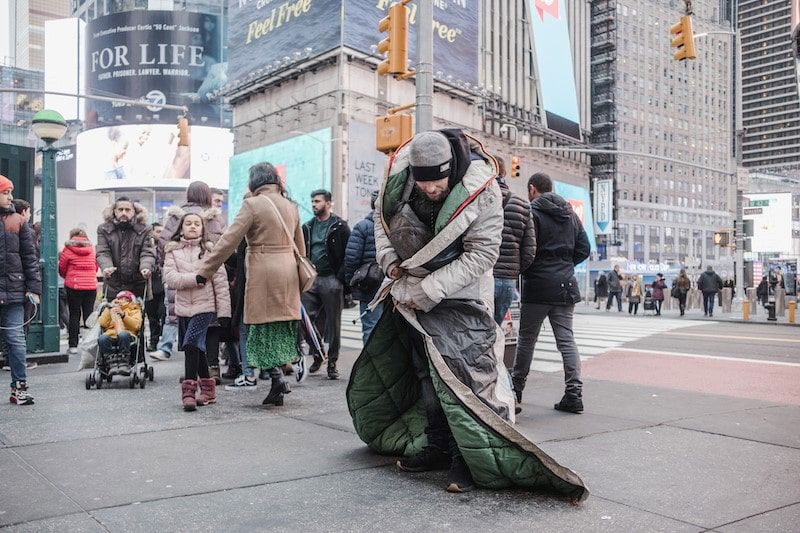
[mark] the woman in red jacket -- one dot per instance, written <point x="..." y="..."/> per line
<point x="78" y="266"/>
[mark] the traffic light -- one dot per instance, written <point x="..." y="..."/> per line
<point x="515" y="167"/>
<point x="395" y="45"/>
<point x="684" y="39"/>
<point x="392" y="131"/>
<point x="722" y="238"/>
<point x="183" y="131"/>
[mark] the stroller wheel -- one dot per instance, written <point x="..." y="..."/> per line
<point x="142" y="383"/>
<point x="150" y="373"/>
<point x="132" y="381"/>
<point x="88" y="381"/>
<point x="98" y="382"/>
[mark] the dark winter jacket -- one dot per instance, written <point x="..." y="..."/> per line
<point x="561" y="243"/>
<point x="658" y="289"/>
<point x="709" y="282"/>
<point x="762" y="292"/>
<point x="77" y="265"/>
<point x="360" y="251"/>
<point x="157" y="280"/>
<point x="237" y="261"/>
<point x="601" y="286"/>
<point x="20" y="268"/>
<point x="335" y="244"/>
<point x="519" y="237"/>
<point x="614" y="281"/>
<point x="129" y="248"/>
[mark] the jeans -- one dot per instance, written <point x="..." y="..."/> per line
<point x="78" y="302"/>
<point x="13" y="316"/>
<point x="168" y="334"/>
<point x="611" y="296"/>
<point x="326" y="297"/>
<point x="530" y="323"/>
<point x="246" y="369"/>
<point x="708" y="302"/>
<point x="503" y="295"/>
<point x="123" y="342"/>
<point x="369" y="319"/>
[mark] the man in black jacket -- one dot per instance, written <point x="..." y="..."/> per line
<point x="326" y="238"/>
<point x="709" y="284"/>
<point x="518" y="248"/>
<point x="19" y="281"/>
<point x="550" y="290"/>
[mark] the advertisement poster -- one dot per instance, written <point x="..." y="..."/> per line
<point x="65" y="166"/>
<point x="263" y="32"/>
<point x="304" y="163"/>
<point x="165" y="57"/>
<point x="578" y="198"/>
<point x="554" y="64"/>
<point x="148" y="156"/>
<point x="455" y="34"/>
<point x="365" y="171"/>
<point x="771" y="214"/>
<point x="604" y="206"/>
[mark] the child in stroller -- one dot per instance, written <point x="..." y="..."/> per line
<point x="120" y="322"/>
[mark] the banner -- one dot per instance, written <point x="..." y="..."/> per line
<point x="365" y="170"/>
<point x="553" y="50"/>
<point x="263" y="32"/>
<point x="455" y="34"/>
<point x="165" y="57"/>
<point x="604" y="207"/>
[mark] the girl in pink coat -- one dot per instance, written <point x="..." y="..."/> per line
<point x="197" y="306"/>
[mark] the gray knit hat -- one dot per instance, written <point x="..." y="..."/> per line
<point x="430" y="156"/>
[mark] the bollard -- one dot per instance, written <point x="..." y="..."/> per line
<point x="792" y="306"/>
<point x="746" y="310"/>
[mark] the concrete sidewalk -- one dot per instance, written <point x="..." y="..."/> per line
<point x="116" y="459"/>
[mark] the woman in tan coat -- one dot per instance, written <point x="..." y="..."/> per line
<point x="272" y="289"/>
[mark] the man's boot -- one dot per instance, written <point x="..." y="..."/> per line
<point x="188" y="389"/>
<point x="317" y="364"/>
<point x="569" y="404"/>
<point x="208" y="391"/>
<point x="332" y="372"/>
<point x="430" y="458"/>
<point x="459" y="478"/>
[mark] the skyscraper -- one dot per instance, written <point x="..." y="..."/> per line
<point x="26" y="30"/>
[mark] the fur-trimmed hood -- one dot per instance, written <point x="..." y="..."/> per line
<point x="140" y="211"/>
<point x="207" y="213"/>
<point x="79" y="242"/>
<point x="177" y="245"/>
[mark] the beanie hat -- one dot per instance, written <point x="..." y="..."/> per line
<point x="430" y="157"/>
<point x="5" y="184"/>
<point x="126" y="294"/>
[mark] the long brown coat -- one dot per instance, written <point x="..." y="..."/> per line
<point x="272" y="291"/>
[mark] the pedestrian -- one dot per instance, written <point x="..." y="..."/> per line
<point x="120" y="323"/>
<point x="634" y="294"/>
<point x="21" y="282"/>
<point x="246" y="380"/>
<point x="23" y="208"/>
<point x="326" y="237"/>
<point x="550" y="290"/>
<point x="680" y="288"/>
<point x="124" y="248"/>
<point x="615" y="288"/>
<point x="217" y="199"/>
<point x="77" y="264"/>
<point x="517" y="250"/>
<point x="362" y="272"/>
<point x="762" y="292"/>
<point x="709" y="284"/>
<point x="155" y="308"/>
<point x="601" y="290"/>
<point x="197" y="305"/>
<point x="658" y="292"/>
<point x="271" y="224"/>
<point x="776" y="280"/>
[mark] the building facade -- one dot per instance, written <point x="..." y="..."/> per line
<point x="26" y="30"/>
<point x="678" y="112"/>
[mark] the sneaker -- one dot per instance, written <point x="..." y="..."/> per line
<point x="430" y="458"/>
<point x="243" y="383"/>
<point x="72" y="351"/>
<point x="459" y="478"/>
<point x="332" y="372"/>
<point x="569" y="404"/>
<point x="19" y="395"/>
<point x="159" y="355"/>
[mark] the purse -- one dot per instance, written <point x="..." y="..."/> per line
<point x="367" y="277"/>
<point x="305" y="269"/>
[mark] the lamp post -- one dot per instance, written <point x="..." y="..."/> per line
<point x="49" y="126"/>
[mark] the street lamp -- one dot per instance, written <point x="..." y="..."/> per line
<point x="49" y="126"/>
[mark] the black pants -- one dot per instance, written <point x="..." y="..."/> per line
<point x="156" y="313"/>
<point x="658" y="303"/>
<point x="633" y="308"/>
<point x="326" y="298"/>
<point x="79" y="303"/>
<point x="212" y="347"/>
<point x="195" y="363"/>
<point x="611" y="296"/>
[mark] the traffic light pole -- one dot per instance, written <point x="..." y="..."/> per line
<point x="425" y="66"/>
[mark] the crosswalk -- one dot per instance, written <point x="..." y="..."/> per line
<point x="594" y="334"/>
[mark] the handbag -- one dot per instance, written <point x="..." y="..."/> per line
<point x="305" y="269"/>
<point x="367" y="277"/>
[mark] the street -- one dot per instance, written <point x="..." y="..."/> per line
<point x="703" y="440"/>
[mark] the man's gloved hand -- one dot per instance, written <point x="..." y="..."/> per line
<point x="395" y="272"/>
<point x="200" y="280"/>
<point x="408" y="292"/>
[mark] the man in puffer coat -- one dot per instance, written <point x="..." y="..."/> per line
<point x="518" y="248"/>
<point x="19" y="280"/>
<point x="361" y="251"/>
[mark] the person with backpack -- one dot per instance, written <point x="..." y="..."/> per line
<point x="361" y="270"/>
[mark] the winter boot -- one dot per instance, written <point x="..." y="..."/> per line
<point x="569" y="404"/>
<point x="332" y="372"/>
<point x="459" y="478"/>
<point x="429" y="459"/>
<point x="208" y="391"/>
<point x="188" y="389"/>
<point x="276" y="392"/>
<point x="316" y="365"/>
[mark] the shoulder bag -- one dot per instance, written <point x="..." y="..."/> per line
<point x="305" y="269"/>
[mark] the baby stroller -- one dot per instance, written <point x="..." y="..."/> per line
<point x="140" y="371"/>
<point x="649" y="305"/>
<point x="309" y="342"/>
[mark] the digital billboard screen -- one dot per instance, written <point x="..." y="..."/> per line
<point x="148" y="156"/>
<point x="303" y="162"/>
<point x="164" y="57"/>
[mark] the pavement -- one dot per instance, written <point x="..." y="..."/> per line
<point x="688" y="427"/>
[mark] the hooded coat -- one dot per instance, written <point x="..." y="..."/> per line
<point x="20" y="262"/>
<point x="128" y="248"/>
<point x="519" y="237"/>
<point x="77" y="264"/>
<point x="561" y="243"/>
<point x="180" y="263"/>
<point x="360" y="251"/>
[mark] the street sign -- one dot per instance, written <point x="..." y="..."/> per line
<point x="604" y="206"/>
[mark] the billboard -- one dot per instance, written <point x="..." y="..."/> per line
<point x="148" y="156"/>
<point x="262" y="32"/>
<point x="165" y="57"/>
<point x="64" y="73"/>
<point x="578" y="198"/>
<point x="365" y="170"/>
<point x="771" y="214"/>
<point x="554" y="63"/>
<point x="304" y="163"/>
<point x="66" y="166"/>
<point x="455" y="34"/>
